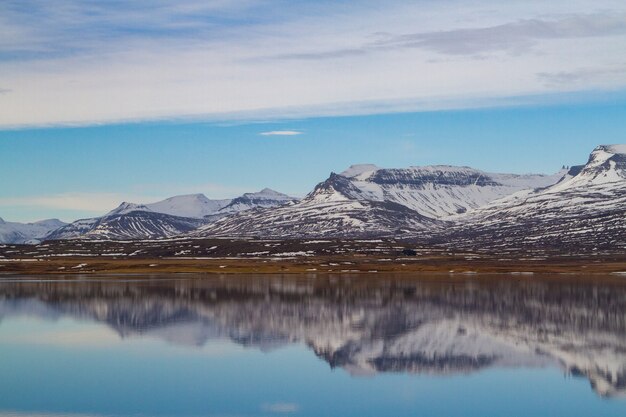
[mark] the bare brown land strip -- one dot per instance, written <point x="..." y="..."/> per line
<point x="231" y="256"/>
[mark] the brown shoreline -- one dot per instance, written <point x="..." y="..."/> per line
<point x="297" y="256"/>
<point x="313" y="264"/>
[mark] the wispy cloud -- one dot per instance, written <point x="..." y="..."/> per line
<point x="281" y="133"/>
<point x="71" y="205"/>
<point x="283" y="408"/>
<point x="148" y="60"/>
<point x="583" y="75"/>
<point x="514" y="37"/>
<point x="88" y="202"/>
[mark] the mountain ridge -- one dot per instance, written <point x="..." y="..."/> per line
<point x="441" y="204"/>
<point x="163" y="219"/>
<point x="15" y="232"/>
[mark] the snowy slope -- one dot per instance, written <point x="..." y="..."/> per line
<point x="192" y="205"/>
<point x="13" y="232"/>
<point x="73" y="230"/>
<point x="141" y="225"/>
<point x="138" y="224"/>
<point x="369" y="201"/>
<point x="440" y="190"/>
<point x="264" y="198"/>
<point x="166" y="218"/>
<point x="586" y="209"/>
<point x="127" y="221"/>
<point x="329" y="210"/>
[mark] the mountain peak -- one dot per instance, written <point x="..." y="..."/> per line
<point x="607" y="163"/>
<point x="614" y="149"/>
<point x="603" y="153"/>
<point x="198" y="196"/>
<point x="187" y="197"/>
<point x="359" y="170"/>
<point x="266" y="193"/>
<point x="127" y="207"/>
<point x="52" y="223"/>
<point x="264" y="198"/>
<point x="188" y="205"/>
<point x="336" y="187"/>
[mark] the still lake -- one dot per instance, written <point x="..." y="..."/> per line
<point x="278" y="345"/>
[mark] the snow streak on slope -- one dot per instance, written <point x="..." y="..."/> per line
<point x="132" y="225"/>
<point x="127" y="221"/>
<point x="13" y="232"/>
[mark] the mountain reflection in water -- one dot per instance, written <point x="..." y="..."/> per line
<point x="364" y="325"/>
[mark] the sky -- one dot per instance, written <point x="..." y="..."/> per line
<point x="103" y="102"/>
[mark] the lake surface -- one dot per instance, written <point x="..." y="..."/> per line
<point x="372" y="345"/>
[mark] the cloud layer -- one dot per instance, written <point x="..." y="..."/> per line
<point x="77" y="62"/>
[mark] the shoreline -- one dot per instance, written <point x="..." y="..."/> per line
<point x="296" y="256"/>
<point x="447" y="265"/>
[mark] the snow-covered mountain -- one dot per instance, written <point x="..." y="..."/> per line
<point x="457" y="206"/>
<point x="264" y="198"/>
<point x="440" y="190"/>
<point x="586" y="208"/>
<point x="367" y="200"/>
<point x="192" y="205"/>
<point x="329" y="210"/>
<point x="170" y="217"/>
<point x="13" y="232"/>
<point x="199" y="206"/>
<point x="121" y="224"/>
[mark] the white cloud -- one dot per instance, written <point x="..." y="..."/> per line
<point x="255" y="59"/>
<point x="281" y="133"/>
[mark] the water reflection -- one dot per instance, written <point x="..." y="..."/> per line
<point x="365" y="326"/>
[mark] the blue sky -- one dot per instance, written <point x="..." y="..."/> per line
<point x="108" y="101"/>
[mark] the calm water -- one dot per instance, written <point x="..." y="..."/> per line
<point x="306" y="346"/>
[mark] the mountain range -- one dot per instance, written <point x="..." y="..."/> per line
<point x="170" y="217"/>
<point x="438" y="204"/>
<point x="13" y="232"/>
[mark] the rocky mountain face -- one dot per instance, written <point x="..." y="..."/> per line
<point x="14" y="232"/>
<point x="365" y="326"/>
<point x="586" y="208"/>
